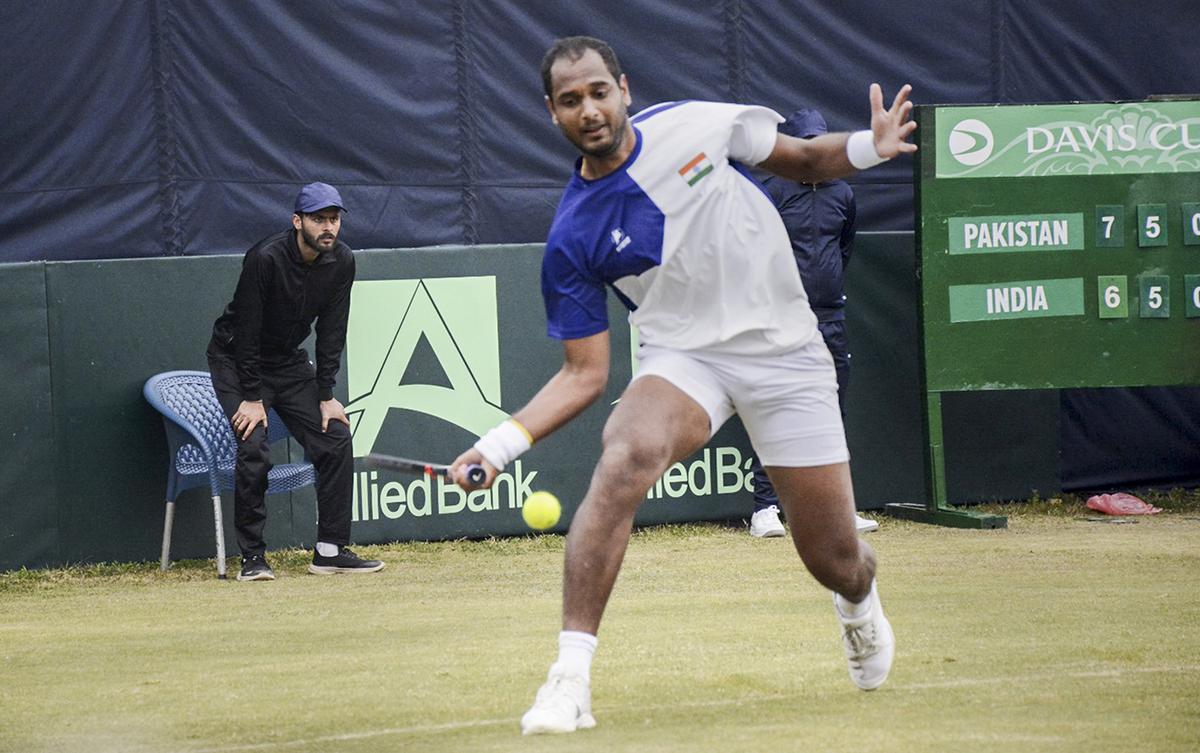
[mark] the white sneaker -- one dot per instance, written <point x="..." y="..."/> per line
<point x="865" y="525"/>
<point x="764" y="523"/>
<point x="563" y="704"/>
<point x="869" y="642"/>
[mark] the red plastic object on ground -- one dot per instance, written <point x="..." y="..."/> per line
<point x="1120" y="504"/>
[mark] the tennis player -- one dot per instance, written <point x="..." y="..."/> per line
<point x="660" y="209"/>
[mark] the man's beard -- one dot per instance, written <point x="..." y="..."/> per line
<point x="313" y="241"/>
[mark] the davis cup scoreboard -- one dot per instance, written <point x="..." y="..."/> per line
<point x="1058" y="246"/>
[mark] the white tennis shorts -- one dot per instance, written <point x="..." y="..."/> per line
<point x="788" y="402"/>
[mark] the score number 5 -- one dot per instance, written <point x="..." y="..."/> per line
<point x="1151" y="229"/>
<point x="1155" y="301"/>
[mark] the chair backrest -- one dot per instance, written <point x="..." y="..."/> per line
<point x="187" y="398"/>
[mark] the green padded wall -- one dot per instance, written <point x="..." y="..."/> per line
<point x="883" y="415"/>
<point x="28" y="499"/>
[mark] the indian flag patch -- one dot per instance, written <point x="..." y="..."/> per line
<point x="696" y="168"/>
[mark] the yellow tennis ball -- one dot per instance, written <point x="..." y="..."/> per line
<point x="541" y="510"/>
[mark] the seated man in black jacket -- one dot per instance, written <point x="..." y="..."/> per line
<point x="289" y="280"/>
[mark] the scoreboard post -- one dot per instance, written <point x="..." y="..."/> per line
<point x="1058" y="246"/>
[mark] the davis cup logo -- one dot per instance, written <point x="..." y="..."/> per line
<point x="971" y="142"/>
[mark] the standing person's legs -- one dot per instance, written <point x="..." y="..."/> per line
<point x="253" y="457"/>
<point x="330" y="451"/>
<point x="834" y="335"/>
<point x="764" y="521"/>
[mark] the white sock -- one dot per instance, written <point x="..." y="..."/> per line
<point x="327" y="550"/>
<point x="852" y="610"/>
<point x="575" y="650"/>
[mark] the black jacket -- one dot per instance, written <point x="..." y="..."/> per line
<point x="277" y="298"/>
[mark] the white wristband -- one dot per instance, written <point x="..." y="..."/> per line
<point x="860" y="150"/>
<point x="504" y="444"/>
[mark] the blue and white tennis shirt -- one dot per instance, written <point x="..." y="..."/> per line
<point x="687" y="240"/>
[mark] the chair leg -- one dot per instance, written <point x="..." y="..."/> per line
<point x="220" y="536"/>
<point x="168" y="521"/>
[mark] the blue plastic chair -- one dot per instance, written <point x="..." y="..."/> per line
<point x="203" y="449"/>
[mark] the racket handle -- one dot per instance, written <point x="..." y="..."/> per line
<point x="476" y="474"/>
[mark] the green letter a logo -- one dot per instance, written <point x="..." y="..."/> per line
<point x="388" y="319"/>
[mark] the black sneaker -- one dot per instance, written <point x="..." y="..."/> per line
<point x="255" y="567"/>
<point x="345" y="561"/>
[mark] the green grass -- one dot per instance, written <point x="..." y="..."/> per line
<point x="1059" y="633"/>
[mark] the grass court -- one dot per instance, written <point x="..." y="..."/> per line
<point x="1067" y="631"/>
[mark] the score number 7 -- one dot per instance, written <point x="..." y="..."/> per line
<point x="1108" y="221"/>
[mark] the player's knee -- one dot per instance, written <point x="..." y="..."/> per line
<point x="634" y="456"/>
<point x="839" y="568"/>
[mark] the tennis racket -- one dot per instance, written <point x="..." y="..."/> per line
<point x="475" y="473"/>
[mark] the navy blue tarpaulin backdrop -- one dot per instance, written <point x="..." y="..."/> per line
<point x="182" y="127"/>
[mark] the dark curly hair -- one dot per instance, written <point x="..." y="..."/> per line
<point x="574" y="48"/>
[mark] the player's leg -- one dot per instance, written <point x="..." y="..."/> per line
<point x="253" y="462"/>
<point x="655" y="424"/>
<point x="331" y="452"/>
<point x="834" y="335"/>
<point x="789" y="407"/>
<point x="819" y="502"/>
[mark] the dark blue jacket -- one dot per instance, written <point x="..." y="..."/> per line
<point x="820" y="222"/>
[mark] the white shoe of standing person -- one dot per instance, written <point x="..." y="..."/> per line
<point x="869" y="642"/>
<point x="563" y="704"/>
<point x="865" y="525"/>
<point x="765" y="524"/>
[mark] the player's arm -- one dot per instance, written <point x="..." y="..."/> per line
<point x="837" y="155"/>
<point x="581" y="380"/>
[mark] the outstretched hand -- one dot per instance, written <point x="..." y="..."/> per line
<point x="892" y="127"/>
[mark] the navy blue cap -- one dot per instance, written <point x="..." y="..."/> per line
<point x="317" y="196"/>
<point x="804" y="124"/>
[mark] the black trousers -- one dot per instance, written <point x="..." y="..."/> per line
<point x="834" y="335"/>
<point x="291" y="389"/>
